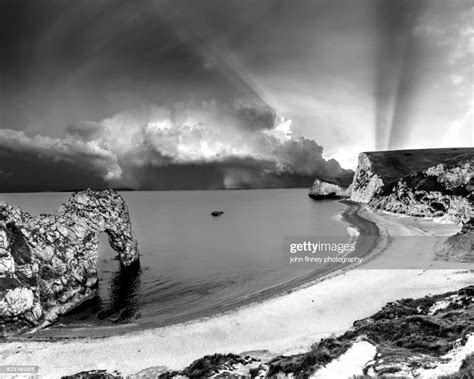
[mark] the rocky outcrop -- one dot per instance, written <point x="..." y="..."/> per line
<point x="437" y="183"/>
<point x="48" y="264"/>
<point x="326" y="190"/>
<point x="409" y="338"/>
<point x="379" y="168"/>
<point x="209" y="366"/>
<point x="443" y="190"/>
<point x="460" y="247"/>
<point x="414" y="336"/>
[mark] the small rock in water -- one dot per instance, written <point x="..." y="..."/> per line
<point x="217" y="213"/>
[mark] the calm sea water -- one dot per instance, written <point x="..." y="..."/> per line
<point x="194" y="264"/>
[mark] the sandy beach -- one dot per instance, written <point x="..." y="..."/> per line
<point x="288" y="323"/>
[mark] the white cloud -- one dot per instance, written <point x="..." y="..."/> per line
<point x="154" y="137"/>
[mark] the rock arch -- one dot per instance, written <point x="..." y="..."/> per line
<point x="48" y="263"/>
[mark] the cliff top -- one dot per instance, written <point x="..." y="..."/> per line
<point x="393" y="164"/>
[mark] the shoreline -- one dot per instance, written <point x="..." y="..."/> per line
<point x="349" y="216"/>
<point x="285" y="324"/>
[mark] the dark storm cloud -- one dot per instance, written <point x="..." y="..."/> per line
<point x="158" y="79"/>
<point x="186" y="147"/>
<point x="127" y="92"/>
<point x="256" y="118"/>
<point x="233" y="172"/>
<point x="85" y="60"/>
<point x="43" y="163"/>
<point x="31" y="173"/>
<point x="84" y="130"/>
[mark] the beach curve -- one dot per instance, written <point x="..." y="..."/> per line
<point x="355" y="224"/>
<point x="288" y="324"/>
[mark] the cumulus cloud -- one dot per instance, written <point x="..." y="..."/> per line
<point x="186" y="146"/>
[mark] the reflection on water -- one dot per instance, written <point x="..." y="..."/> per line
<point x="119" y="291"/>
<point x="121" y="302"/>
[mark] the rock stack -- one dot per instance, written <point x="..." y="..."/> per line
<point x="48" y="263"/>
<point x="325" y="189"/>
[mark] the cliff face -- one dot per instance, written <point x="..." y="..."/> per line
<point x="423" y="183"/>
<point x="380" y="168"/>
<point x="444" y="190"/>
<point x="48" y="264"/>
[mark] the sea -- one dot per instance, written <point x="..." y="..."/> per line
<point x="192" y="264"/>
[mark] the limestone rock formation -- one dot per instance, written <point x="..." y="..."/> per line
<point x="379" y="168"/>
<point x="48" y="263"/>
<point x="326" y="190"/>
<point x="459" y="247"/>
<point x="443" y="190"/>
<point x="436" y="183"/>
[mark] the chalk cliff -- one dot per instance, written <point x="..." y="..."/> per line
<point x="436" y="183"/>
<point x="48" y="263"/>
<point x="443" y="190"/>
<point x="379" y="168"/>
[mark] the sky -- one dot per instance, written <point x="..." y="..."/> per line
<point x="208" y="94"/>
